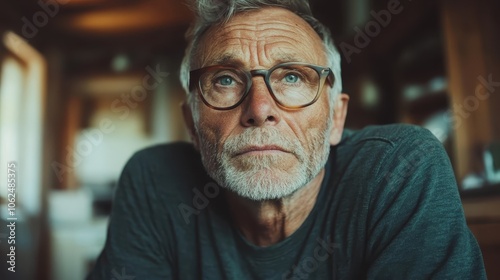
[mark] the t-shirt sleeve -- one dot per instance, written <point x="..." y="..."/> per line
<point x="134" y="248"/>
<point x="416" y="228"/>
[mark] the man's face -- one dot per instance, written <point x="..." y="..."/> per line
<point x="258" y="149"/>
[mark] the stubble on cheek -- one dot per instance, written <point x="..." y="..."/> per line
<point x="209" y="146"/>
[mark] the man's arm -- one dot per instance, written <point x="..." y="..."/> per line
<point x="134" y="246"/>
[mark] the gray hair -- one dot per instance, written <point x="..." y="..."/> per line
<point x="214" y="12"/>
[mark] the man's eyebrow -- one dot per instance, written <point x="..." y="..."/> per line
<point x="287" y="57"/>
<point x="224" y="59"/>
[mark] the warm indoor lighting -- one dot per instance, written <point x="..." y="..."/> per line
<point x="139" y="16"/>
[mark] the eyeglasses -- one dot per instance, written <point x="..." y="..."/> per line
<point x="292" y="85"/>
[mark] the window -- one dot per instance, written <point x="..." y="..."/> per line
<point x="22" y="84"/>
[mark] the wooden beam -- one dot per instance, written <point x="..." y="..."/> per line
<point x="469" y="31"/>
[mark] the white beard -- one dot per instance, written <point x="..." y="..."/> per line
<point x="267" y="176"/>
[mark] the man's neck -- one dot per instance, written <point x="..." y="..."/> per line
<point x="265" y="223"/>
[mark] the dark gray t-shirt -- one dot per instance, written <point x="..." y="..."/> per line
<point x="388" y="208"/>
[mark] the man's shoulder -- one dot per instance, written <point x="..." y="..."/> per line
<point x="389" y="136"/>
<point x="386" y="147"/>
<point x="171" y="148"/>
<point x="165" y="173"/>
<point x="169" y="154"/>
<point x="171" y="164"/>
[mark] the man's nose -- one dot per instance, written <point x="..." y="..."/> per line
<point x="259" y="107"/>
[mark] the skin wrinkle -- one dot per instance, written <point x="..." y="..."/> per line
<point x="232" y="59"/>
<point x="261" y="48"/>
<point x="273" y="27"/>
<point x="296" y="177"/>
<point x="268" y="49"/>
<point x="279" y="32"/>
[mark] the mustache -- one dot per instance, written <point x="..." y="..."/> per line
<point x="260" y="137"/>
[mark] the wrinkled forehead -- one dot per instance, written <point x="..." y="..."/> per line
<point x="270" y="33"/>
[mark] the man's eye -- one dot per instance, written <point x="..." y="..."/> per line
<point x="225" y="80"/>
<point x="291" y="78"/>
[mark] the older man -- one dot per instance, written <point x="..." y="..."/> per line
<point x="294" y="197"/>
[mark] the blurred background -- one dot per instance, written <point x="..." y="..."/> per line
<point x="86" y="83"/>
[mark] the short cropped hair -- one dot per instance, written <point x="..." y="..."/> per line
<point x="214" y="12"/>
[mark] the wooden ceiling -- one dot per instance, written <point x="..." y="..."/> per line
<point x="124" y="17"/>
<point x="116" y="23"/>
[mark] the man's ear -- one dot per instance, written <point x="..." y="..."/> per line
<point x="188" y="120"/>
<point x="339" y="115"/>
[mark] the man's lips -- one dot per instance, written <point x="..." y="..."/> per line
<point x="260" y="149"/>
